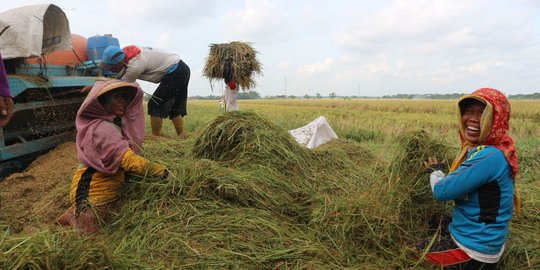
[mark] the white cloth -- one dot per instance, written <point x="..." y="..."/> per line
<point x="33" y="30"/>
<point x="314" y="134"/>
<point x="230" y="99"/>
<point x="481" y="257"/>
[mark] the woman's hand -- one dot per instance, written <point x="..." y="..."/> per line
<point x="6" y="110"/>
<point x="432" y="164"/>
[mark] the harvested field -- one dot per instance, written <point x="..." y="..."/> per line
<point x="242" y="195"/>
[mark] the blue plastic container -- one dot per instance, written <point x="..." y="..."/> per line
<point x="97" y="44"/>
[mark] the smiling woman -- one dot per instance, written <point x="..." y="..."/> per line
<point x="116" y="101"/>
<point x="480" y="182"/>
<point x="471" y="115"/>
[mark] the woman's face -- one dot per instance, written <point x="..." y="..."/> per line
<point x="470" y="119"/>
<point x="120" y="101"/>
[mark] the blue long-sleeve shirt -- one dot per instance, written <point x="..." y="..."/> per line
<point x="483" y="191"/>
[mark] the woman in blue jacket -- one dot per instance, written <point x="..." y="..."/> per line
<point x="481" y="183"/>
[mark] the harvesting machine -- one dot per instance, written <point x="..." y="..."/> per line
<point x="47" y="67"/>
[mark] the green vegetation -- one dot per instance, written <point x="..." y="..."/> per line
<point x="333" y="95"/>
<point x="243" y="195"/>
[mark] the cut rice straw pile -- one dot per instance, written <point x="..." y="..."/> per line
<point x="245" y="195"/>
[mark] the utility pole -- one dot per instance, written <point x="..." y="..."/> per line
<point x="285" y="85"/>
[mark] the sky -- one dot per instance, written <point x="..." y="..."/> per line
<point x="350" y="48"/>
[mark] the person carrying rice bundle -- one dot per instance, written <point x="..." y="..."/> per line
<point x="110" y="130"/>
<point x="235" y="63"/>
<point x="481" y="181"/>
<point x="231" y="92"/>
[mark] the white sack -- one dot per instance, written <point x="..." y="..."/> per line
<point x="34" y="30"/>
<point x="314" y="134"/>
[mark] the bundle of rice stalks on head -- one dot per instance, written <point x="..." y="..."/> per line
<point x="409" y="179"/>
<point x="243" y="137"/>
<point x="240" y="57"/>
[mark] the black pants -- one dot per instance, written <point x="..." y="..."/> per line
<point x="170" y="97"/>
<point x="474" y="265"/>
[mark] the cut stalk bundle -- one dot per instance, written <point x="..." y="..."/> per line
<point x="414" y="148"/>
<point x="352" y="150"/>
<point x="242" y="137"/>
<point x="259" y="187"/>
<point x="419" y="210"/>
<point x="244" y="63"/>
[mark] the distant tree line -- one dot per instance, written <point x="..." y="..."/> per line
<point x="528" y="96"/>
<point x="241" y="95"/>
<point x="256" y="95"/>
<point x="454" y="96"/>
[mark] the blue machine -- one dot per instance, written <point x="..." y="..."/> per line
<point x="46" y="102"/>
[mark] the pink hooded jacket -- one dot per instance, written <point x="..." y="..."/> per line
<point x="100" y="145"/>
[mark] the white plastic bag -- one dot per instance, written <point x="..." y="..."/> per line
<point x="314" y="134"/>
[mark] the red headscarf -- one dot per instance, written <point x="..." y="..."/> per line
<point x="131" y="51"/>
<point x="99" y="143"/>
<point x="497" y="113"/>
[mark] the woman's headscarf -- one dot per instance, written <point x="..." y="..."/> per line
<point x="494" y="128"/>
<point x="131" y="51"/>
<point x="99" y="143"/>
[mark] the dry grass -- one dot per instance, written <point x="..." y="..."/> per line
<point x="243" y="195"/>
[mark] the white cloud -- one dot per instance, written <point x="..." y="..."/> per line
<point x="284" y="65"/>
<point x="405" y="23"/>
<point x="164" y="41"/>
<point x="317" y="68"/>
<point x="380" y="47"/>
<point x="261" y="21"/>
<point x="175" y="13"/>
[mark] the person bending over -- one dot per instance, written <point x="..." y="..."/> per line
<point x="157" y="66"/>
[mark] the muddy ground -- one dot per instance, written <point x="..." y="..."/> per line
<point x="35" y="197"/>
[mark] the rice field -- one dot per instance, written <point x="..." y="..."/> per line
<point x="243" y="195"/>
<point x="374" y="122"/>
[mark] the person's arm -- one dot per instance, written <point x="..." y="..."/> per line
<point x="6" y="102"/>
<point x="136" y="164"/>
<point x="473" y="173"/>
<point x="132" y="71"/>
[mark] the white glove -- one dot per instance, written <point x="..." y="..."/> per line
<point x="435" y="177"/>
